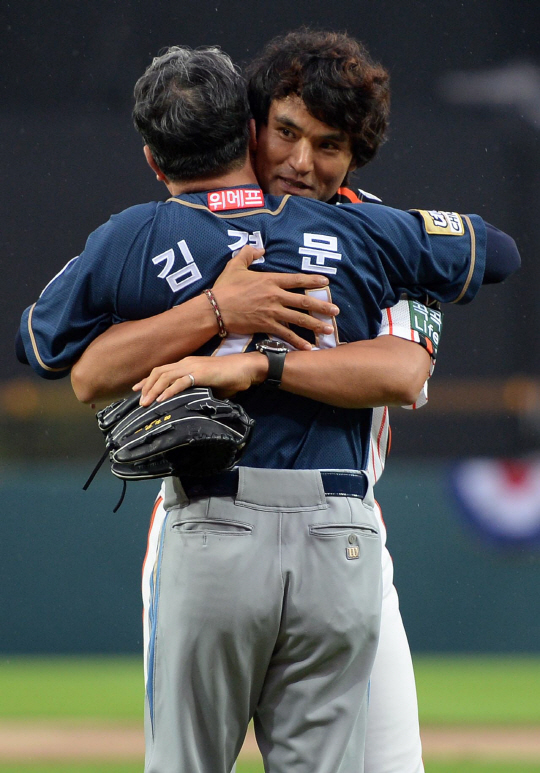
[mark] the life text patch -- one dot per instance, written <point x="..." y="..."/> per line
<point x="235" y="198"/>
<point x="443" y="223"/>
<point x="427" y="324"/>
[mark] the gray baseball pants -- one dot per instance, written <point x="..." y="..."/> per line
<point x="266" y="605"/>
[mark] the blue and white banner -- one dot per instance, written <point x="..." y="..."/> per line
<point x="501" y="499"/>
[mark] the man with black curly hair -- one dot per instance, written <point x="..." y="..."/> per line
<point x="263" y="584"/>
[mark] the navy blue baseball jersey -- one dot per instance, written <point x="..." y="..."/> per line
<point x="154" y="256"/>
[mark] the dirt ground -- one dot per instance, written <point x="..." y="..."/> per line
<point x="59" y="741"/>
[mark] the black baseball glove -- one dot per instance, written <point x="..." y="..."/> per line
<point x="190" y="434"/>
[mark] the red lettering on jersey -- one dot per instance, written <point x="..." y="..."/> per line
<point x="235" y="198"/>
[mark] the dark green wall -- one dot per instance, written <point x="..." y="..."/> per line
<point x="70" y="570"/>
<point x="457" y="592"/>
<point x="71" y="567"/>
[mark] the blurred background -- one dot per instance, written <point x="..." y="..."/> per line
<point x="461" y="493"/>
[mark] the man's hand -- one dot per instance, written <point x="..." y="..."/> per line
<point x="226" y="375"/>
<point x="260" y="302"/>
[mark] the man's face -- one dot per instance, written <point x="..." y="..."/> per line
<point x="298" y="154"/>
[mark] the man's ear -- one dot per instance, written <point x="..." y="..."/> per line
<point x="252" y="135"/>
<point x="153" y="166"/>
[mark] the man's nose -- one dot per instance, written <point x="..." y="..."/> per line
<point x="301" y="159"/>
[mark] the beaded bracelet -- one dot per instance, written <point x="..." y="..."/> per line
<point x="221" y="325"/>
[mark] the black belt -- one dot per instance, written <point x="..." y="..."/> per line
<point x="225" y="484"/>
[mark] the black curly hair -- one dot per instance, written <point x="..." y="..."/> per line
<point x="335" y="77"/>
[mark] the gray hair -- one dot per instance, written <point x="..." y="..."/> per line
<point x="191" y="109"/>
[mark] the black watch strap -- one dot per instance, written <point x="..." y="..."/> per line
<point x="276" y="362"/>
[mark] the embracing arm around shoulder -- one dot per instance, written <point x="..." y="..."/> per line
<point x="249" y="302"/>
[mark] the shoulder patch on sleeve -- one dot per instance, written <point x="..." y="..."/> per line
<point x="441" y="223"/>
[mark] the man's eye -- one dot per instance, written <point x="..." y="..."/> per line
<point x="286" y="132"/>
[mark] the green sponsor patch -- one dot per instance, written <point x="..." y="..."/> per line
<point x="427" y="323"/>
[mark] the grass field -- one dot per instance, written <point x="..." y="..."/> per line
<point x="487" y="690"/>
<point x="451" y="690"/>
<point x="457" y="691"/>
<point x="457" y="767"/>
<point x="246" y="767"/>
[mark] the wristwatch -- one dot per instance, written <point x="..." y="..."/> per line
<point x="275" y="351"/>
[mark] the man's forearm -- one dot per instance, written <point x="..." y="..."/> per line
<point x="365" y="374"/>
<point x="128" y="351"/>
<point x="384" y="371"/>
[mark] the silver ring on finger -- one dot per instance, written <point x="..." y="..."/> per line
<point x="191" y="378"/>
